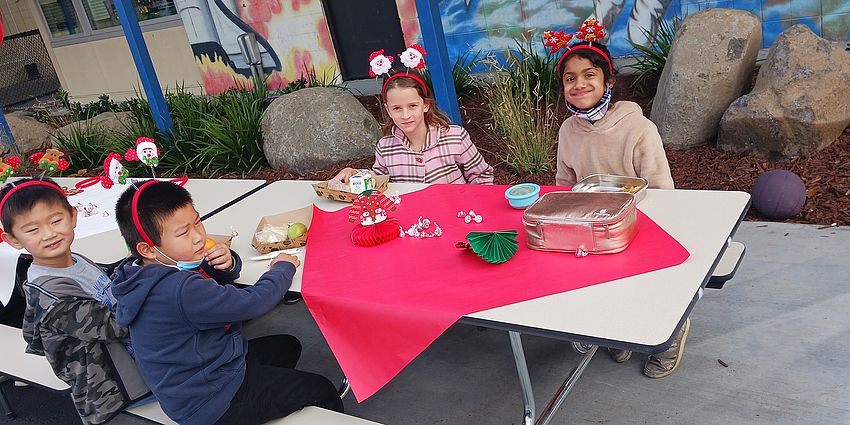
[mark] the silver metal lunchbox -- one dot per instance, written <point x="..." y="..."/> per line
<point x="613" y="183"/>
<point x="581" y="222"/>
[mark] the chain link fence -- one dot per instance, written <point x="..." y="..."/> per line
<point x="26" y="71"/>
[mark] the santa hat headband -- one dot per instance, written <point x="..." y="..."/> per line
<point x="412" y="58"/>
<point x="591" y="30"/>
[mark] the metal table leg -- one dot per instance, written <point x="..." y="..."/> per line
<point x="344" y="388"/>
<point x="525" y="383"/>
<point x="565" y="387"/>
<point x="524" y="379"/>
<point x="4" y="406"/>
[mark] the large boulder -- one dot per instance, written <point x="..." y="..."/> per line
<point x="710" y="64"/>
<point x="800" y="103"/>
<point x="29" y="134"/>
<point x="113" y="122"/>
<point x="313" y="128"/>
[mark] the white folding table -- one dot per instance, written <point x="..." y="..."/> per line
<point x="649" y="307"/>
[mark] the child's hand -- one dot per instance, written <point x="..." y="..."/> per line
<point x="219" y="257"/>
<point x="345" y="174"/>
<point x="287" y="258"/>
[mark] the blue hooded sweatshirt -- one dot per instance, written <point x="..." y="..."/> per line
<point x="186" y="331"/>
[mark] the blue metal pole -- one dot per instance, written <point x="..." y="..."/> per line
<point x="438" y="58"/>
<point x="139" y="50"/>
<point x="6" y="134"/>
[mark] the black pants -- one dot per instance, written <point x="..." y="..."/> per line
<point x="272" y="389"/>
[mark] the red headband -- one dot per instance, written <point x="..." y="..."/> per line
<point x="584" y="47"/>
<point x="134" y="206"/>
<point x="404" y="74"/>
<point x="30" y="183"/>
<point x="134" y="212"/>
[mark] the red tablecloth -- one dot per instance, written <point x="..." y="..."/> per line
<point x="379" y="307"/>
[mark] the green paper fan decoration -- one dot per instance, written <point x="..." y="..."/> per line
<point x="494" y="247"/>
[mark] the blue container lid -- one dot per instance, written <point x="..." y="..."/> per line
<point x="522" y="191"/>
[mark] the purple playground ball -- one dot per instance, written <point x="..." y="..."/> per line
<point x="779" y="194"/>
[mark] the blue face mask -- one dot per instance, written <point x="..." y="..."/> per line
<point x="180" y="265"/>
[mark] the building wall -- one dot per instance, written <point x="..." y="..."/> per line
<point x="106" y="66"/>
<point x="298" y="32"/>
<point x="17" y="16"/>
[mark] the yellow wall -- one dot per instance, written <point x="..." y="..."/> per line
<point x="17" y="16"/>
<point x="106" y="66"/>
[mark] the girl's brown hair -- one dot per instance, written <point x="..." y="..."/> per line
<point x="434" y="117"/>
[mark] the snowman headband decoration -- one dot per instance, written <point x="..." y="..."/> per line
<point x="591" y="30"/>
<point x="412" y="58"/>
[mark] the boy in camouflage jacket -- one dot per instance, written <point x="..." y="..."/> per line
<point x="69" y="317"/>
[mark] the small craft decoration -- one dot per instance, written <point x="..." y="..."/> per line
<point x="370" y="211"/>
<point x="493" y="247"/>
<point x="379" y="63"/>
<point x="8" y="167"/>
<point x="50" y="161"/>
<point x="146" y="152"/>
<point x="412" y="58"/>
<point x="556" y="40"/>
<point x="591" y="30"/>
<point x="114" y="173"/>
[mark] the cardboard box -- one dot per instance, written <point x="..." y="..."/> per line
<point x="321" y="188"/>
<point x="303" y="215"/>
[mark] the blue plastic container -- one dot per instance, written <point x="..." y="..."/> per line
<point x="521" y="196"/>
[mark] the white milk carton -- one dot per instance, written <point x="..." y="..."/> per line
<point x="361" y="182"/>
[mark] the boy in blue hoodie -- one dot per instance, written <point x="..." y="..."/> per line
<point x="186" y="328"/>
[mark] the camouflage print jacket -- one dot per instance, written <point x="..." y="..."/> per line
<point x="84" y="345"/>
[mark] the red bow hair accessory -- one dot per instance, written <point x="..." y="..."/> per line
<point x="370" y="211"/>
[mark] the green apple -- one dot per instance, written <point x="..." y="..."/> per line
<point x="296" y="230"/>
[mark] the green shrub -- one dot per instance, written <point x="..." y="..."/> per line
<point x="650" y="60"/>
<point x="530" y="71"/>
<point x="85" y="146"/>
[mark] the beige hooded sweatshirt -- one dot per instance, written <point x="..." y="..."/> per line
<point x="623" y="142"/>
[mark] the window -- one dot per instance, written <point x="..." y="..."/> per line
<point x="60" y="16"/>
<point x="99" y="17"/>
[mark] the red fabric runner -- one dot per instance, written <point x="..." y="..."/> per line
<point x="379" y="307"/>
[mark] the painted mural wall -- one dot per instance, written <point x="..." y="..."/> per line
<point x="295" y="39"/>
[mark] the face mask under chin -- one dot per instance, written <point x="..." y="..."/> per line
<point x="180" y="265"/>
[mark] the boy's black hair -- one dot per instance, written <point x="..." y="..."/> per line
<point x="156" y="204"/>
<point x="25" y="199"/>
<point x="594" y="57"/>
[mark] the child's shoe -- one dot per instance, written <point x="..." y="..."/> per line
<point x="619" y="355"/>
<point x="662" y="364"/>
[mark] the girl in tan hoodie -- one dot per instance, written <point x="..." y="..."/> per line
<point x="601" y="137"/>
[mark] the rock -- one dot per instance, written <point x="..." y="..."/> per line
<point x="315" y="127"/>
<point x="29" y="134"/>
<point x="113" y="122"/>
<point x="800" y="103"/>
<point x="710" y="64"/>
